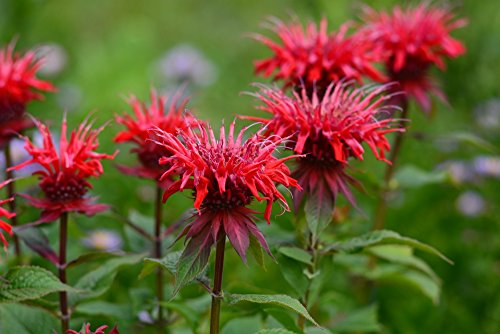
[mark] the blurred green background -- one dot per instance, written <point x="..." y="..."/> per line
<point x="109" y="49"/>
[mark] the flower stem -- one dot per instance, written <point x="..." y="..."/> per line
<point x="216" y="291"/>
<point x="381" y="210"/>
<point x="158" y="255"/>
<point x="11" y="191"/>
<point x="313" y="248"/>
<point x="63" y="296"/>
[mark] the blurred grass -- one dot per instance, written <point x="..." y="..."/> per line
<point x="113" y="47"/>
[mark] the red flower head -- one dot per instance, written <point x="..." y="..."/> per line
<point x="100" y="330"/>
<point x="328" y="131"/>
<point x="413" y="40"/>
<point x="5" y="214"/>
<point x="18" y="85"/>
<point x="64" y="171"/>
<point x="167" y="117"/>
<point x="315" y="58"/>
<point x="225" y="176"/>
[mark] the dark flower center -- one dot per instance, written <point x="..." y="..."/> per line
<point x="64" y="189"/>
<point x="319" y="154"/>
<point x="235" y="196"/>
<point x="150" y="154"/>
<point x="413" y="69"/>
<point x="10" y="111"/>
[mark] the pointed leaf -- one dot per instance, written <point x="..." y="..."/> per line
<point x="23" y="283"/>
<point x="413" y="177"/>
<point x="168" y="263"/>
<point x="278" y="300"/>
<point x="36" y="240"/>
<point x="319" y="212"/>
<point x="91" y="257"/>
<point x="95" y="282"/>
<point x="384" y="237"/>
<point x="256" y="251"/>
<point x="296" y="254"/>
<point x="193" y="262"/>
<point x="293" y="273"/>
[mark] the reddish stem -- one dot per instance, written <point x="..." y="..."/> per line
<point x="217" y="289"/>
<point x="158" y="255"/>
<point x="63" y="296"/>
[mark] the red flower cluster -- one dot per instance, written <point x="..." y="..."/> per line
<point x="18" y="85"/>
<point x="167" y="117"/>
<point x="413" y="40"/>
<point x="328" y="130"/>
<point x="225" y="174"/>
<point x="100" y="330"/>
<point x="314" y="58"/>
<point x="63" y="172"/>
<point x="5" y="214"/>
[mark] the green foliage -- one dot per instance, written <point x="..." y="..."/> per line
<point x="24" y="283"/>
<point x="319" y="212"/>
<point x="362" y="320"/>
<point x="413" y="177"/>
<point x="278" y="300"/>
<point x="23" y="319"/>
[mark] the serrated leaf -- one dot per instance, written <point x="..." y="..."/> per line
<point x="23" y="319"/>
<point x="168" y="262"/>
<point x="23" y="283"/>
<point x="318" y="209"/>
<point x="384" y="237"/>
<point x="362" y="320"/>
<point x="296" y="254"/>
<point x="402" y="255"/>
<point x="193" y="261"/>
<point x="278" y="300"/>
<point x="413" y="177"/>
<point x="38" y="242"/>
<point x="97" y="281"/>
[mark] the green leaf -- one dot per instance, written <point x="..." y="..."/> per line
<point x="256" y="251"/>
<point x="168" y="262"/>
<point x="384" y="237"/>
<point x="90" y="257"/>
<point x="296" y="254"/>
<point x="278" y="300"/>
<point x="275" y="331"/>
<point x="23" y="319"/>
<point x="38" y="242"/>
<point x="293" y="273"/>
<point x="473" y="140"/>
<point x="191" y="315"/>
<point x="23" y="283"/>
<point x="284" y="318"/>
<point x="319" y="212"/>
<point x="95" y="282"/>
<point x="403" y="255"/>
<point x="362" y="320"/>
<point x="413" y="177"/>
<point x="192" y="263"/>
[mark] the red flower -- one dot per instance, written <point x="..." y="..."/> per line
<point x="413" y="40"/>
<point x="225" y="176"/>
<point x="18" y="85"/>
<point x="64" y="171"/>
<point x="168" y="118"/>
<point x="100" y="330"/>
<point x="5" y="214"/>
<point x="328" y="130"/>
<point x="314" y="57"/>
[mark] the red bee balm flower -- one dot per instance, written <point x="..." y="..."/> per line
<point x="64" y="172"/>
<point x="328" y="131"/>
<point x="18" y="85"/>
<point x="314" y="57"/>
<point x="100" y="330"/>
<point x="225" y="176"/>
<point x="413" y="40"/>
<point x="4" y="226"/>
<point x="168" y="118"/>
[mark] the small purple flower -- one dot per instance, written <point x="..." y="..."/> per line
<point x="55" y="59"/>
<point x="488" y="166"/>
<point x="103" y="240"/>
<point x="460" y="171"/>
<point x="471" y="204"/>
<point x="185" y="63"/>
